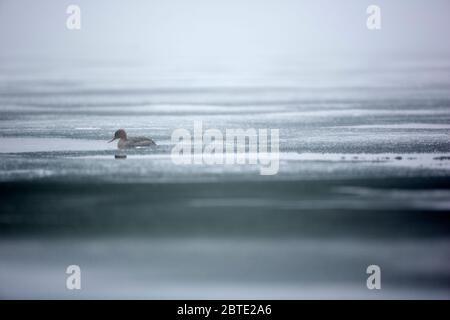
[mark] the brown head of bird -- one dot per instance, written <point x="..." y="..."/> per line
<point x="119" y="134"/>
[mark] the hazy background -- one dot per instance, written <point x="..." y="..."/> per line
<point x="221" y="29"/>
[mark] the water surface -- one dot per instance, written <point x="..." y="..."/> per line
<point x="364" y="179"/>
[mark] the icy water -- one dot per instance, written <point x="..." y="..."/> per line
<point x="364" y="179"/>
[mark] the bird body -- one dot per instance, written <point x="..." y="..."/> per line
<point x="126" y="142"/>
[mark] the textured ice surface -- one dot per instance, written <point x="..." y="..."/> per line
<point x="364" y="179"/>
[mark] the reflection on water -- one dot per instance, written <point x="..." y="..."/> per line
<point x="364" y="179"/>
<point x="27" y="145"/>
<point x="224" y="268"/>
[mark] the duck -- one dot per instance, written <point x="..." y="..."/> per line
<point x="126" y="142"/>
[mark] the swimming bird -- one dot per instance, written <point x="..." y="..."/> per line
<point x="126" y="142"/>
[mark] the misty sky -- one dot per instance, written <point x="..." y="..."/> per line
<point x="213" y="28"/>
